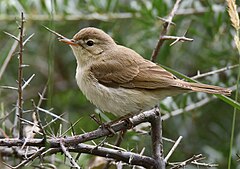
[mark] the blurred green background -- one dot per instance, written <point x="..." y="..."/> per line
<point x="135" y="24"/>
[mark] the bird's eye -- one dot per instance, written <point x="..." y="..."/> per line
<point x="90" y="43"/>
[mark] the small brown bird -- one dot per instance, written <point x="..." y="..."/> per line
<point x="120" y="81"/>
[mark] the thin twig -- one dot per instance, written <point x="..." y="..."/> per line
<point x="51" y="114"/>
<point x="41" y="96"/>
<point x="20" y="76"/>
<point x="164" y="31"/>
<point x="39" y="120"/>
<point x="116" y="145"/>
<point x="188" y="108"/>
<point x="128" y="157"/>
<point x="173" y="149"/>
<point x="9" y="87"/>
<point x="35" y="155"/>
<point x="188" y="161"/>
<point x="55" y="33"/>
<point x="203" y="164"/>
<point x="214" y="72"/>
<point x="12" y="36"/>
<point x="68" y="155"/>
<point x="71" y="127"/>
<point x="176" y="39"/>
<point x="27" y="82"/>
<point x="28" y="39"/>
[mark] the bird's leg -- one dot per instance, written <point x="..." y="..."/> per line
<point x="129" y="123"/>
<point x="97" y="120"/>
<point x="125" y="118"/>
<point x="108" y="125"/>
<point x="103" y="125"/>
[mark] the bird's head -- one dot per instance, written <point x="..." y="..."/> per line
<point x="89" y="43"/>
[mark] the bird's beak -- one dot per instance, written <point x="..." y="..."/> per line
<point x="68" y="41"/>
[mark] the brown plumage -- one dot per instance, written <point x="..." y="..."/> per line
<point x="119" y="80"/>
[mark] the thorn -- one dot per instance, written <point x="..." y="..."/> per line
<point x="166" y="21"/>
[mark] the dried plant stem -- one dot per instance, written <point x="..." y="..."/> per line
<point x="234" y="17"/>
<point x="20" y="77"/>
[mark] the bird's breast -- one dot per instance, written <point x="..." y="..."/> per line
<point x="119" y="101"/>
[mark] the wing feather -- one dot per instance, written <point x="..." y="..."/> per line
<point x="130" y="70"/>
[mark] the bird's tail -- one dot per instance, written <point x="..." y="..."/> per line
<point x="199" y="87"/>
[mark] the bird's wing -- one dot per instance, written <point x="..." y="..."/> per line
<point x="152" y="76"/>
<point x="115" y="71"/>
<point x="130" y="70"/>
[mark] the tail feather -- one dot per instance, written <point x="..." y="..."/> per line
<point x="199" y="87"/>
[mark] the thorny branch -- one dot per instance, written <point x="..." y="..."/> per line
<point x="73" y="140"/>
<point x="125" y="156"/>
<point x="20" y="77"/>
<point x="193" y="160"/>
<point x="200" y="75"/>
<point x="73" y="143"/>
<point x="167" y="23"/>
<point x="66" y="152"/>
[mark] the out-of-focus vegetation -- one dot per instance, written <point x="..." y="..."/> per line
<point x="134" y="24"/>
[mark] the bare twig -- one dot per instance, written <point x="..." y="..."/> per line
<point x="55" y="33"/>
<point x="35" y="155"/>
<point x="186" y="162"/>
<point x="188" y="108"/>
<point x="68" y="155"/>
<point x="12" y="36"/>
<point x="164" y="31"/>
<point x="214" y="72"/>
<point x="9" y="87"/>
<point x="173" y="149"/>
<point x="116" y="145"/>
<point x="71" y="128"/>
<point x="51" y="114"/>
<point x="73" y="140"/>
<point x="20" y="76"/>
<point x="41" y="96"/>
<point x="176" y="39"/>
<point x="128" y="157"/>
<point x="39" y="122"/>
<point x="203" y="164"/>
<point x="27" y="82"/>
<point x="28" y="39"/>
